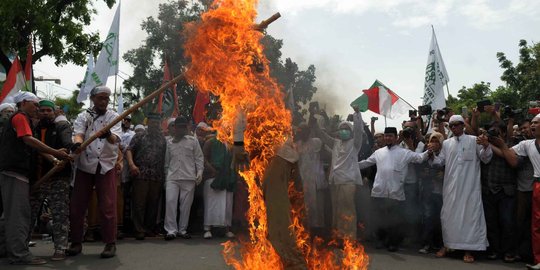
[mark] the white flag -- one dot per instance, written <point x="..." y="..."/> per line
<point x="83" y="94"/>
<point x="107" y="62"/>
<point x="436" y="77"/>
<point x="120" y="108"/>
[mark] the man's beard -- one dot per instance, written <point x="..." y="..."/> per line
<point x="45" y="122"/>
<point x="389" y="145"/>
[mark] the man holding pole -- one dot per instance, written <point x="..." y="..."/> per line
<point x="16" y="146"/>
<point x="95" y="168"/>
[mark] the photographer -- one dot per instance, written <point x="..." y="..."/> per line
<point x="498" y="198"/>
<point x="411" y="139"/>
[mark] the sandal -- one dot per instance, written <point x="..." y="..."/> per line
<point x="441" y="253"/>
<point x="468" y="258"/>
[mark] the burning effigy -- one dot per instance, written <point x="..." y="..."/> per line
<point x="227" y="60"/>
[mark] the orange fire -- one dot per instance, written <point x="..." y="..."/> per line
<point x="227" y="60"/>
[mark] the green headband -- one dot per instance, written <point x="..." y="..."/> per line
<point x="47" y="103"/>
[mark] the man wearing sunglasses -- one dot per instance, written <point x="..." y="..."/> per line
<point x="462" y="214"/>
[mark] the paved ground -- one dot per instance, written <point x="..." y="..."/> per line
<point x="201" y="254"/>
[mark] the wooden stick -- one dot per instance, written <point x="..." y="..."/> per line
<point x="264" y="24"/>
<point x="88" y="141"/>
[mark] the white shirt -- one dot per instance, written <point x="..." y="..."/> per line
<point x="412" y="177"/>
<point x="100" y="151"/>
<point x="184" y="160"/>
<point x="527" y="148"/>
<point x="392" y="167"/>
<point x="344" y="167"/>
<point x="126" y="139"/>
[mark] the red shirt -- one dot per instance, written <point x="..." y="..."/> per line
<point x="21" y="125"/>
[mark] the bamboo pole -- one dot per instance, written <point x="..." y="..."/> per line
<point x="133" y="108"/>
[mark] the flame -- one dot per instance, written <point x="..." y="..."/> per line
<point x="227" y="60"/>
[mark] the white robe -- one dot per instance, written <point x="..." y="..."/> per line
<point x="462" y="214"/>
<point x="313" y="180"/>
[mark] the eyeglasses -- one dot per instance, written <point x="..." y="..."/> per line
<point x="455" y="125"/>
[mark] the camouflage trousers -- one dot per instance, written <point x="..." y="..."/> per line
<point x="56" y="192"/>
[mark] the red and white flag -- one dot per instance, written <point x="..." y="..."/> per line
<point x="384" y="101"/>
<point x="14" y="82"/>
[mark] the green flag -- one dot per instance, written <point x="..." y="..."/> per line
<point x="361" y="103"/>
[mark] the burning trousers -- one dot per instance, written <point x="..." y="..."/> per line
<point x="278" y="208"/>
<point x="536" y="221"/>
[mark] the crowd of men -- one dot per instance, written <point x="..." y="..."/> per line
<point x="446" y="186"/>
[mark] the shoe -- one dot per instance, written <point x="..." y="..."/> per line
<point x="32" y="244"/>
<point x="139" y="236"/>
<point x="230" y="234"/>
<point x="109" y="251"/>
<point x="74" y="249"/>
<point x="392" y="248"/>
<point x="183" y="234"/>
<point x="59" y="255"/>
<point x="170" y="236"/>
<point x="509" y="258"/>
<point x="533" y="267"/>
<point x="207" y="235"/>
<point x="468" y="258"/>
<point x="492" y="256"/>
<point x="424" y="250"/>
<point x="33" y="261"/>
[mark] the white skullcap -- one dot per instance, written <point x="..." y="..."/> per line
<point x="20" y="97"/>
<point x="537" y="116"/>
<point x="456" y="118"/>
<point x="139" y="127"/>
<point x="100" y="89"/>
<point x="203" y="126"/>
<point x="4" y="106"/>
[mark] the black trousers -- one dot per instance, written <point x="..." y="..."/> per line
<point x="389" y="221"/>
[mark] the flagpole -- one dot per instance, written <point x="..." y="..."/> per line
<point x="114" y="98"/>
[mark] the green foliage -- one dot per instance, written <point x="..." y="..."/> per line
<point x="165" y="40"/>
<point x="523" y="79"/>
<point x="69" y="105"/>
<point x="56" y="26"/>
<point x="469" y="96"/>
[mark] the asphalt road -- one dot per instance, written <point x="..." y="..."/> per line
<point x="198" y="253"/>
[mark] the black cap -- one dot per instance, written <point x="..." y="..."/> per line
<point x="181" y="121"/>
<point x="390" y="130"/>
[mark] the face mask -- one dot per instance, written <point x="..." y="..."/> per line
<point x="344" y="134"/>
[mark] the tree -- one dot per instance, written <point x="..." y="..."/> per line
<point x="69" y="105"/>
<point x="55" y="26"/>
<point x="165" y="40"/>
<point x="522" y="80"/>
<point x="469" y="96"/>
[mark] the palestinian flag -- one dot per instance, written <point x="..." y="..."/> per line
<point x="381" y="100"/>
<point x="14" y="83"/>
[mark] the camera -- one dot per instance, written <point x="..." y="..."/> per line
<point x="425" y="110"/>
<point x="408" y="132"/>
<point x="480" y="104"/>
<point x="509" y="112"/>
<point x="441" y="114"/>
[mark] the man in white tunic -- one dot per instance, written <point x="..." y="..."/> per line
<point x="462" y="214"/>
<point x="388" y="189"/>
<point x="312" y="174"/>
<point x="184" y="164"/>
<point x="344" y="171"/>
<point x="529" y="148"/>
